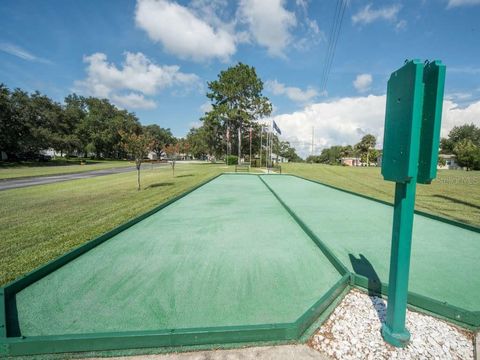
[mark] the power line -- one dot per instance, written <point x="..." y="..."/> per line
<point x="338" y="15"/>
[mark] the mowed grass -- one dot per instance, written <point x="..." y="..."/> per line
<point x="21" y="170"/>
<point x="40" y="223"/>
<point x="455" y="194"/>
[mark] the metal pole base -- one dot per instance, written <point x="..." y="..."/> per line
<point x="396" y="339"/>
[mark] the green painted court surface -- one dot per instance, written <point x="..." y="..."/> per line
<point x="230" y="254"/>
<point x="226" y="254"/>
<point x="445" y="263"/>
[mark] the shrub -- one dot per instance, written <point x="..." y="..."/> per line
<point x="232" y="160"/>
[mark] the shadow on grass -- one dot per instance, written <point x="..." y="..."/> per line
<point x="361" y="266"/>
<point x="186" y="175"/>
<point x="159" y="185"/>
<point x="457" y="201"/>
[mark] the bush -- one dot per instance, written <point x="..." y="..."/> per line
<point x="232" y="160"/>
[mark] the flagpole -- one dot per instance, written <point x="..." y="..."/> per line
<point x="271" y="147"/>
<point x="261" y="133"/>
<point x="250" y="145"/>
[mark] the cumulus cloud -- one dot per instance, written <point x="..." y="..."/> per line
<point x="368" y="15"/>
<point x="363" y="82"/>
<point x="457" y="3"/>
<point x="269" y="23"/>
<point x="127" y="86"/>
<point x="133" y="101"/>
<point x="182" y="32"/>
<point x="293" y="93"/>
<point x="21" y="53"/>
<point x="344" y="121"/>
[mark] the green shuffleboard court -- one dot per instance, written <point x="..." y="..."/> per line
<point x="445" y="262"/>
<point x="242" y="258"/>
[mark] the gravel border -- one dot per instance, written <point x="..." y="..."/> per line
<point x="353" y="332"/>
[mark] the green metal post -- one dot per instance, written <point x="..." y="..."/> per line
<point x="394" y="330"/>
<point x="410" y="151"/>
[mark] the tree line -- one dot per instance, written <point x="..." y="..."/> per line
<point x="464" y="142"/>
<point x="364" y="150"/>
<point x="92" y="127"/>
<point x="81" y="126"/>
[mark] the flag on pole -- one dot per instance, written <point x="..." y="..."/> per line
<point x="250" y="133"/>
<point x="228" y="134"/>
<point x="276" y="128"/>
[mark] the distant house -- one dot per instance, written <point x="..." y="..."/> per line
<point x="351" y="161"/>
<point x="450" y="162"/>
<point x="279" y="159"/>
<point x="153" y="156"/>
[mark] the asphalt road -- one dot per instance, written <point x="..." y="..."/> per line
<point x="41" y="180"/>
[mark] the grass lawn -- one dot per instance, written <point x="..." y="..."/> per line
<point x="40" y="223"/>
<point x="455" y="194"/>
<point x="56" y="167"/>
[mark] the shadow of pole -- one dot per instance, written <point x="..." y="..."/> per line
<point x="361" y="266"/>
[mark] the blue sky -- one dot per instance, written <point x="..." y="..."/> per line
<point x="155" y="57"/>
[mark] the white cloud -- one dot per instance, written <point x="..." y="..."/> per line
<point x="138" y="76"/>
<point x="344" y="121"/>
<point x="21" y="53"/>
<point x="293" y="93"/>
<point x="368" y="15"/>
<point x="269" y="23"/>
<point x="363" y="82"/>
<point x="182" y="32"/>
<point x="133" y="101"/>
<point x="455" y="116"/>
<point x="457" y="3"/>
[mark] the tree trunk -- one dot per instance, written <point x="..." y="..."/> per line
<point x="239" y="143"/>
<point x="138" y="175"/>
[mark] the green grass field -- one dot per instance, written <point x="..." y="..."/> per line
<point x="454" y="194"/>
<point x="39" y="223"/>
<point x="56" y="167"/>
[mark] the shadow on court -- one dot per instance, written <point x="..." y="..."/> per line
<point x="361" y="266"/>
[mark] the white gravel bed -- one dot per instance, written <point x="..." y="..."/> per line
<point x="353" y="332"/>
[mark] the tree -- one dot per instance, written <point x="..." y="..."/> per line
<point x="138" y="146"/>
<point x="237" y="100"/>
<point x="366" y="144"/>
<point x="161" y="138"/>
<point x="457" y="134"/>
<point x="288" y="152"/>
<point x="184" y="148"/>
<point x="172" y="151"/>
<point x="468" y="154"/>
<point x="197" y="138"/>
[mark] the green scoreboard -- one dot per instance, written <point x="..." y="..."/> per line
<point x="412" y="122"/>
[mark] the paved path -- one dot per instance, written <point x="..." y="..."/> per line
<point x="285" y="352"/>
<point x="41" y="180"/>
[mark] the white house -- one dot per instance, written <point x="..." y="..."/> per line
<point x="450" y="162"/>
<point x="351" y="161"/>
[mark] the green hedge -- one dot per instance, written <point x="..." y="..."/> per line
<point x="232" y="160"/>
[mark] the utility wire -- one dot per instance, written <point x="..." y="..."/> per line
<point x="338" y="15"/>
